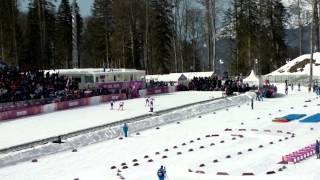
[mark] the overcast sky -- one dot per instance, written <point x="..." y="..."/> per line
<point x="85" y="5"/>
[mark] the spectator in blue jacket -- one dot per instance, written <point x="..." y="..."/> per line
<point x="125" y="129"/>
<point x="161" y="173"/>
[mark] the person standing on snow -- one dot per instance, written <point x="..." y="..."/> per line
<point x="251" y="103"/>
<point x="111" y="104"/>
<point x="151" y="105"/>
<point x="161" y="173"/>
<point x="286" y="90"/>
<point x="121" y="104"/>
<point x="125" y="129"/>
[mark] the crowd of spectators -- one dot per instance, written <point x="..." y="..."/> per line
<point x="156" y="84"/>
<point x="206" y="84"/>
<point x="268" y="90"/>
<point x="17" y="86"/>
<point x="217" y="84"/>
<point x="36" y="87"/>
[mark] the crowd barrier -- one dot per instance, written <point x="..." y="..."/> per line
<point x="81" y="138"/>
<point x="159" y="90"/>
<point x="42" y="109"/>
<point x="47" y="108"/>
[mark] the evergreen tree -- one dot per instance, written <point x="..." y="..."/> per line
<point x="162" y="22"/>
<point x="276" y="18"/>
<point x="39" y="36"/>
<point x="246" y="25"/>
<point x="79" y="26"/>
<point x="9" y="31"/>
<point x="100" y="29"/>
<point x="259" y="29"/>
<point x="63" y="45"/>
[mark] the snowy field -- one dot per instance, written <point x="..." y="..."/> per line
<point x="53" y="124"/>
<point x="161" y="146"/>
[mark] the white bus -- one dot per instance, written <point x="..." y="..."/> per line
<point x="98" y="77"/>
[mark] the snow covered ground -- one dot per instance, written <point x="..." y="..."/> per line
<point x="303" y="70"/>
<point x="53" y="124"/>
<point x="94" y="162"/>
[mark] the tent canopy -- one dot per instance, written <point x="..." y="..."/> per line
<point x="252" y="79"/>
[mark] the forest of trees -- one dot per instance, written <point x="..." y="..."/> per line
<point x="259" y="29"/>
<point x="159" y="36"/>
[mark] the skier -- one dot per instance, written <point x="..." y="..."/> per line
<point x="251" y="103"/>
<point x="121" y="104"/>
<point x="125" y="129"/>
<point x="151" y="106"/>
<point x="111" y="104"/>
<point x="161" y="173"/>
<point x="317" y="149"/>
<point x="147" y="101"/>
<point x="261" y="94"/>
<point x="299" y="87"/>
<point x="291" y="86"/>
<point x="286" y="90"/>
<point x="258" y="95"/>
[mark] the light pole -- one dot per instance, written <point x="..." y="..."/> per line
<point x="221" y="62"/>
<point x="257" y="66"/>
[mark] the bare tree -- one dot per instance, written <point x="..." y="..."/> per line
<point x="42" y="28"/>
<point x="214" y="30"/>
<point x="14" y="33"/>
<point x="312" y="45"/>
<point x="132" y="30"/>
<point x="195" y="18"/>
<point x="179" y="32"/>
<point x="210" y="6"/>
<point x="1" y="40"/>
<point x="316" y="25"/>
<point x="146" y="34"/>
<point x="300" y="27"/>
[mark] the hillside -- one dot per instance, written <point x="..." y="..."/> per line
<point x="299" y="66"/>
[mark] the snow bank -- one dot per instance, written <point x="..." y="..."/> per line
<point x="114" y="130"/>
<point x="296" y="70"/>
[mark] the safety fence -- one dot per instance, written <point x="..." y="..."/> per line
<point x="24" y="111"/>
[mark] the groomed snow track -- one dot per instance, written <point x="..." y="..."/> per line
<point x="81" y="138"/>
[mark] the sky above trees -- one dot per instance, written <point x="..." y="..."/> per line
<point x="85" y="6"/>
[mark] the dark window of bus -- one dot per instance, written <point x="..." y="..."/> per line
<point x="97" y="79"/>
<point x="114" y="78"/>
<point x="88" y="79"/>
<point x="77" y="79"/>
<point x="131" y="77"/>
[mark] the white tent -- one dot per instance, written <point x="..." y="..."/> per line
<point x="252" y="79"/>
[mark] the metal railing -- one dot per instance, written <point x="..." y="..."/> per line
<point x="96" y="128"/>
